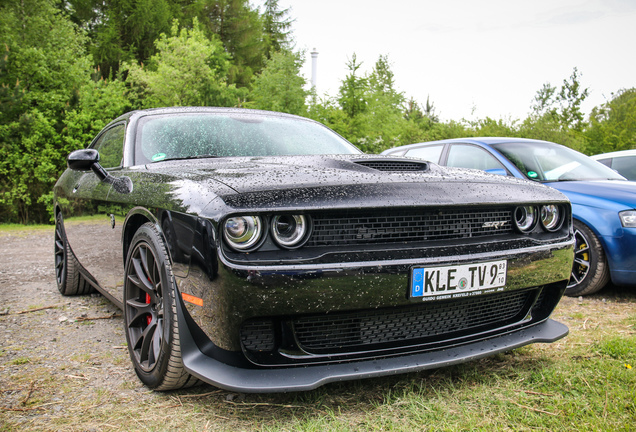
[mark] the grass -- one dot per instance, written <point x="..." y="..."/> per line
<point x="19" y="228"/>
<point x="619" y="347"/>
<point x="582" y="382"/>
<point x="15" y="228"/>
<point x="20" y="361"/>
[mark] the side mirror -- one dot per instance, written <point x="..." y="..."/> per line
<point x="82" y="160"/>
<point x="88" y="159"/>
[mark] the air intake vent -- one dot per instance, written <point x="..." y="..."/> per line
<point x="430" y="322"/>
<point x="394" y="166"/>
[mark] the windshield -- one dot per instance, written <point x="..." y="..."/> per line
<point x="549" y="162"/>
<point x="192" y="135"/>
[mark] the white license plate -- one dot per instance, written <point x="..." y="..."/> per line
<point x="436" y="283"/>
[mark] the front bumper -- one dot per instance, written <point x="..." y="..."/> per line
<point x="240" y="293"/>
<point x="270" y="380"/>
<point x="211" y="335"/>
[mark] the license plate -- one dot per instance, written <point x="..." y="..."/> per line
<point x="436" y="283"/>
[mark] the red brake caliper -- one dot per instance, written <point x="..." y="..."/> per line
<point x="149" y="317"/>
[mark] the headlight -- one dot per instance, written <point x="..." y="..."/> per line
<point x="290" y="231"/>
<point x="551" y="217"/>
<point x="628" y="218"/>
<point x="525" y="218"/>
<point x="242" y="232"/>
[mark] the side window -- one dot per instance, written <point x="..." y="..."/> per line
<point x="429" y="153"/>
<point x="606" y="162"/>
<point x="626" y="166"/>
<point x="470" y="156"/>
<point x="111" y="146"/>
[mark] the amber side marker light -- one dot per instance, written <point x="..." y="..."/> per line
<point x="192" y="299"/>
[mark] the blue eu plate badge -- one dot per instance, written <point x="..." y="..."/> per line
<point x="429" y="283"/>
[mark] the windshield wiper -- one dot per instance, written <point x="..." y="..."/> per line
<point x="205" y="156"/>
<point x="579" y="179"/>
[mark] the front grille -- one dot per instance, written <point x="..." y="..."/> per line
<point x="539" y="303"/>
<point x="258" y="335"/>
<point x="342" y="332"/>
<point x="408" y="226"/>
<point x="395" y="166"/>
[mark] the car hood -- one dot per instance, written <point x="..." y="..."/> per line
<point x="596" y="193"/>
<point x="341" y="181"/>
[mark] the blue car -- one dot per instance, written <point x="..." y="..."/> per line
<point x="603" y="202"/>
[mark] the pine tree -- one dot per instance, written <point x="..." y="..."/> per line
<point x="240" y="28"/>
<point x="277" y="27"/>
<point x="352" y="94"/>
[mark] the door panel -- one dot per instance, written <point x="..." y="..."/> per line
<point x="92" y="222"/>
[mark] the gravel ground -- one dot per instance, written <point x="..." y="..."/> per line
<point x="56" y="352"/>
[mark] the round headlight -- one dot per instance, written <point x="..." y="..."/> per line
<point x="290" y="231"/>
<point x="525" y="218"/>
<point x="551" y="217"/>
<point x="242" y="232"/>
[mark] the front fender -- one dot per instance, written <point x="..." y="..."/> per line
<point x="602" y="222"/>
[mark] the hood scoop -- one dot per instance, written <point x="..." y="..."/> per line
<point x="394" y="165"/>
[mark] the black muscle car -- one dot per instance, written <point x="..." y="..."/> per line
<point x="262" y="252"/>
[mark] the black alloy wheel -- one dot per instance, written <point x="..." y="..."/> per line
<point x="67" y="275"/>
<point x="589" y="271"/>
<point x="150" y="314"/>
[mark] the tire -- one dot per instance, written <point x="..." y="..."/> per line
<point x="150" y="313"/>
<point x="171" y="239"/>
<point x="590" y="272"/>
<point x="67" y="274"/>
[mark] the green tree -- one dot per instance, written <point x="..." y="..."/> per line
<point x="188" y="69"/>
<point x="413" y="111"/>
<point x="43" y="69"/>
<point x="126" y="30"/>
<point x="551" y="129"/>
<point x="100" y="102"/>
<point x="570" y="99"/>
<point x="422" y="123"/>
<point x="371" y="113"/>
<point x="352" y="100"/>
<point x="612" y="125"/>
<point x="122" y="30"/>
<point x="562" y="107"/>
<point x="384" y="112"/>
<point x="277" y="27"/>
<point x="280" y="86"/>
<point x="240" y="28"/>
<point x="429" y="111"/>
<point x="556" y="114"/>
<point x="497" y="128"/>
<point x="352" y="94"/>
<point x="327" y="111"/>
<point x="544" y="101"/>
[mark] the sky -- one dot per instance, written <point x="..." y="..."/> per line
<point x="473" y="59"/>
